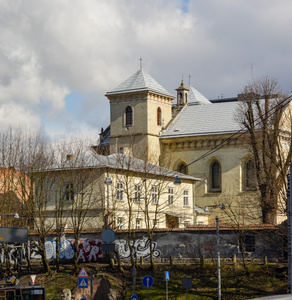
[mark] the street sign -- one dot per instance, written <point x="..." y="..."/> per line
<point x="82" y="283"/>
<point x="83" y="299"/>
<point x="13" y="280"/>
<point x="32" y="277"/>
<point x="13" y="235"/>
<point x="108" y="235"/>
<point x="108" y="247"/>
<point x="83" y="273"/>
<point x="187" y="282"/>
<point x="134" y="297"/>
<point x="147" y="281"/>
<point x="166" y="275"/>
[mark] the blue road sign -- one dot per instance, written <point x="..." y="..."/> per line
<point x="147" y="281"/>
<point x="166" y="275"/>
<point x="134" y="297"/>
<point x="83" y="299"/>
<point x="82" y="283"/>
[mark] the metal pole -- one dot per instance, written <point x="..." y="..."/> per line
<point x="218" y="260"/>
<point x="107" y="212"/>
<point x="289" y="217"/>
<point x="166" y="290"/>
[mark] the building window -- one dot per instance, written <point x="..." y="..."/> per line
<point x="186" y="198"/>
<point x="182" y="168"/>
<point x="154" y="223"/>
<point x="137" y="193"/>
<point x="250" y="175"/>
<point x="159" y="116"/>
<point x="120" y="191"/>
<point x="120" y="222"/>
<point x="215" y="177"/>
<point x="154" y="194"/>
<point x="138" y="223"/>
<point x="186" y="224"/>
<point x="170" y="196"/>
<point x="69" y="192"/>
<point x="129" y="115"/>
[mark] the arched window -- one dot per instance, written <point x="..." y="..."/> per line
<point x="182" y="168"/>
<point x="250" y="183"/>
<point x="215" y="177"/>
<point x="129" y="115"/>
<point x="159" y="116"/>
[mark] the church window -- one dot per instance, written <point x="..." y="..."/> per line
<point x="129" y="115"/>
<point x="159" y="116"/>
<point x="182" y="168"/>
<point x="215" y="177"/>
<point x="250" y="175"/>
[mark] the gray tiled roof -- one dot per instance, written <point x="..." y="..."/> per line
<point x="140" y="81"/>
<point x="89" y="159"/>
<point x="195" y="120"/>
<point x="196" y="97"/>
<point x="124" y="162"/>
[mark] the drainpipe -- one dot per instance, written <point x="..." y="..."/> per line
<point x="194" y="204"/>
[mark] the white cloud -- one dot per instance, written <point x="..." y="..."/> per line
<point x="49" y="49"/>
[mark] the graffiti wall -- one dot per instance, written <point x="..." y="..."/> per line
<point x="89" y="250"/>
<point x="142" y="248"/>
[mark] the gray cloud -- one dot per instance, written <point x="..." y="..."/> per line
<point x="49" y="49"/>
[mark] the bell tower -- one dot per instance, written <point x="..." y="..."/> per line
<point x="139" y="109"/>
<point x="182" y="94"/>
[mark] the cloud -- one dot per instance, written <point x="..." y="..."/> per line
<point x="50" y="50"/>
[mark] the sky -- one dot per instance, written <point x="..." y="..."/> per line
<point x="58" y="58"/>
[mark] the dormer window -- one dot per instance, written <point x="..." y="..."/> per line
<point x="129" y="116"/>
<point x="159" y="116"/>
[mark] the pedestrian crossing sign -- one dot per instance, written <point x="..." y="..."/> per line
<point x="82" y="283"/>
<point x="166" y="275"/>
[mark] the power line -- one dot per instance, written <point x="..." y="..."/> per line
<point x="241" y="131"/>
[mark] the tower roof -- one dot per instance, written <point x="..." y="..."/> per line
<point x="196" y="97"/>
<point x="140" y="81"/>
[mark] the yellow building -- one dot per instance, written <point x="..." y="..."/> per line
<point x="96" y="191"/>
<point x="181" y="132"/>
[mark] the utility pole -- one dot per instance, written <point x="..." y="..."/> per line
<point x="218" y="260"/>
<point x="289" y="217"/>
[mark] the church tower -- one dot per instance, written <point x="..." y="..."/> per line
<point x="182" y="94"/>
<point x="139" y="109"/>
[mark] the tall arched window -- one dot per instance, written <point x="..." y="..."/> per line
<point x="250" y="183"/>
<point x="159" y="116"/>
<point x="129" y="115"/>
<point x="182" y="168"/>
<point x="215" y="177"/>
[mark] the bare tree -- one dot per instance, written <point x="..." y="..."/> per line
<point x="266" y="115"/>
<point x="22" y="153"/>
<point x="76" y="188"/>
<point x="142" y="195"/>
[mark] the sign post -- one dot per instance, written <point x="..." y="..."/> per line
<point x="147" y="282"/>
<point x="83" y="280"/>
<point x="166" y="275"/>
<point x="187" y="284"/>
<point x="32" y="278"/>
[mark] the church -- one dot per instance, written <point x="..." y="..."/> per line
<point x="190" y="134"/>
